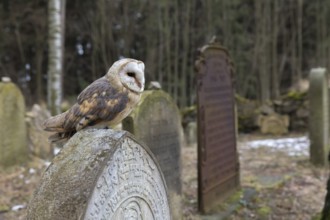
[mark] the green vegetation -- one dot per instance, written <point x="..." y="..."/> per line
<point x="264" y="211"/>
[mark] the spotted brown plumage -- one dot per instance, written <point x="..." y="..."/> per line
<point x="107" y="101"/>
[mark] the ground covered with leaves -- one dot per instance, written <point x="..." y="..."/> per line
<point x="16" y="187"/>
<point x="276" y="183"/>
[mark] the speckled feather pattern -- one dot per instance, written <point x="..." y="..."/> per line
<point x="107" y="101"/>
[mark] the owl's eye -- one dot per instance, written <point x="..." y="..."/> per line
<point x="131" y="74"/>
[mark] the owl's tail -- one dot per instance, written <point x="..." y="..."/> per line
<point x="55" y="123"/>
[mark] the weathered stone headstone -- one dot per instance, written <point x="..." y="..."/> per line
<point x="218" y="165"/>
<point x="156" y="121"/>
<point x="37" y="136"/>
<point x="13" y="137"/>
<point x="191" y="133"/>
<point x="318" y="116"/>
<point x="273" y="124"/>
<point x="101" y="174"/>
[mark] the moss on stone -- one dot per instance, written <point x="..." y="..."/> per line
<point x="318" y="216"/>
<point x="189" y="110"/>
<point x="264" y="211"/>
<point x="296" y="95"/>
<point x="4" y="208"/>
<point x="235" y="197"/>
<point x="13" y="133"/>
<point x="141" y="111"/>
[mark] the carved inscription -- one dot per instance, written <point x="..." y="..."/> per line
<point x="156" y="121"/>
<point x="130" y="187"/>
<point x="164" y="142"/>
<point x="218" y="163"/>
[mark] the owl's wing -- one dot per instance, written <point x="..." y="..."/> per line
<point x="98" y="102"/>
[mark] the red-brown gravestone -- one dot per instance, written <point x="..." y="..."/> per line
<point x="218" y="166"/>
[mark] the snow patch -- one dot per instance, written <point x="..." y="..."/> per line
<point x="293" y="146"/>
<point x="32" y="171"/>
<point x="56" y="150"/>
<point x="18" y="207"/>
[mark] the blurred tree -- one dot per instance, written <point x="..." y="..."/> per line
<point x="56" y="12"/>
<point x="273" y="44"/>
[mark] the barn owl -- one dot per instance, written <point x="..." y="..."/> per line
<point x="105" y="102"/>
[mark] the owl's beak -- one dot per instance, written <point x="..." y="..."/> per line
<point x="140" y="81"/>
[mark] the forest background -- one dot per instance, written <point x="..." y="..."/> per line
<point x="273" y="44"/>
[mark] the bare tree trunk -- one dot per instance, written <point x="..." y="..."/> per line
<point x="102" y="6"/>
<point x="324" y="35"/>
<point x="300" y="40"/>
<point x="266" y="35"/>
<point x="275" y="72"/>
<point x="192" y="78"/>
<point x="56" y="14"/>
<point x="160" y="75"/>
<point x="167" y="41"/>
<point x="176" y="56"/>
<point x="293" y="46"/>
<point x="39" y="53"/>
<point x="261" y="57"/>
<point x="186" y="74"/>
<point x="225" y="22"/>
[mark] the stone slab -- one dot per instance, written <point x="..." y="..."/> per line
<point x="101" y="174"/>
<point x="157" y="122"/>
<point x="218" y="165"/>
<point x="13" y="131"/>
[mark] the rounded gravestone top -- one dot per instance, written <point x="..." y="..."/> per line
<point x="13" y="132"/>
<point x="102" y="174"/>
<point x="156" y="121"/>
<point x="5" y="79"/>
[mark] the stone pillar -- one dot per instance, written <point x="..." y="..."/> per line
<point x="101" y="174"/>
<point x="318" y="116"/>
<point x="13" y="136"/>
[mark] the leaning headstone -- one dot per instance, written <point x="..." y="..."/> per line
<point x="101" y="174"/>
<point x="218" y="165"/>
<point x="13" y="137"/>
<point x="156" y="121"/>
<point x="318" y="116"/>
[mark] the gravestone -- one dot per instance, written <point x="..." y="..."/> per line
<point x="318" y="116"/>
<point x="37" y="136"/>
<point x="191" y="133"/>
<point x="274" y="124"/>
<point x="101" y="174"/>
<point x="13" y="135"/>
<point x="156" y="121"/>
<point x="218" y="165"/>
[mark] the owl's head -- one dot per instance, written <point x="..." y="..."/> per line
<point x="130" y="73"/>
